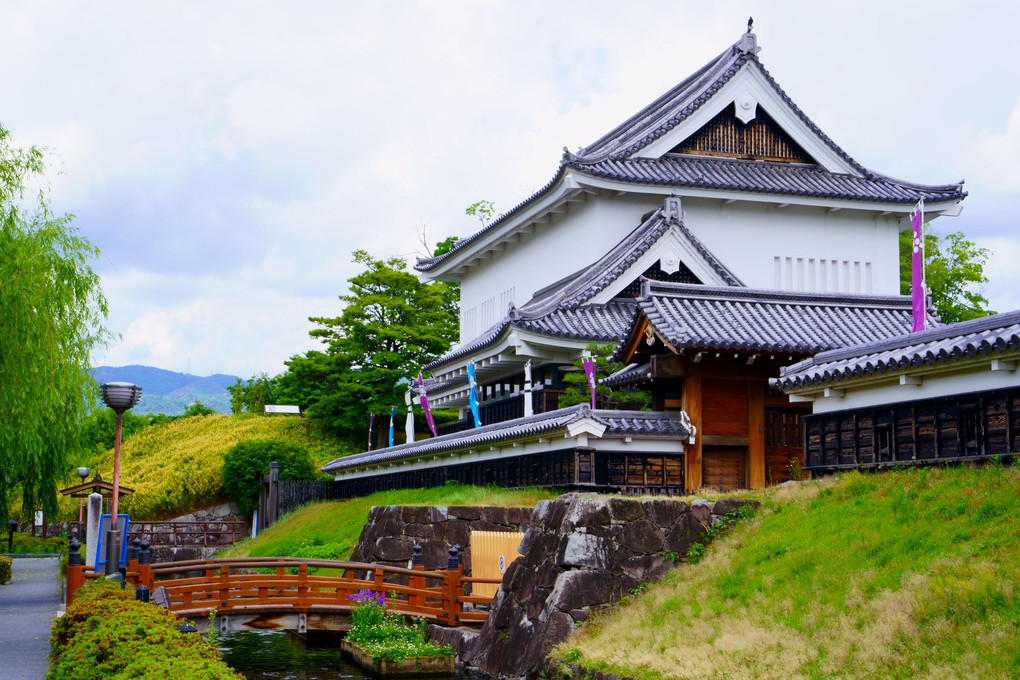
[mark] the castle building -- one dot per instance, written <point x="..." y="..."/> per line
<point x="714" y="237"/>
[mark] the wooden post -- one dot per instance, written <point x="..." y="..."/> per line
<point x="272" y="512"/>
<point x="691" y="403"/>
<point x="224" y="585"/>
<point x="145" y="565"/>
<point x="74" y="570"/>
<point x="756" y="434"/>
<point x="302" y="585"/>
<point x="414" y="581"/>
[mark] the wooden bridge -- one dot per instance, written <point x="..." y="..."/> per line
<point x="269" y="593"/>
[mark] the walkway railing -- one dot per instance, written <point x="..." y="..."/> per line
<point x="176" y="534"/>
<point x="229" y="586"/>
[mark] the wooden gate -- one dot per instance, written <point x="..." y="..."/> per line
<point x="491" y="553"/>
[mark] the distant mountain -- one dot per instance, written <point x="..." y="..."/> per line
<point x="169" y="392"/>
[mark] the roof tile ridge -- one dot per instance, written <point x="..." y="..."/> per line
<point x="671" y="289"/>
<point x="807" y="121"/>
<point x="664" y="126"/>
<point x="708" y="79"/>
<point x="428" y="263"/>
<point x="906" y="340"/>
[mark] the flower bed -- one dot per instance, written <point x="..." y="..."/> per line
<point x="384" y="642"/>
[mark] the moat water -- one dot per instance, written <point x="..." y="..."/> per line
<point x="261" y="655"/>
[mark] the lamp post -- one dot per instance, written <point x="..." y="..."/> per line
<point x="83" y="472"/>
<point x="120" y="396"/>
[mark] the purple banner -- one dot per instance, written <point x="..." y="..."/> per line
<point x="423" y="400"/>
<point x="917" y="269"/>
<point x="589" y="371"/>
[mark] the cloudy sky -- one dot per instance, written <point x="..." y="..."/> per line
<point x="227" y="157"/>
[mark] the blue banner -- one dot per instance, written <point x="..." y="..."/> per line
<point x="473" y="397"/>
<point x="393" y="415"/>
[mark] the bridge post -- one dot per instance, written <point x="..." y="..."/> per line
<point x="144" y="565"/>
<point x="302" y="587"/>
<point x="417" y="599"/>
<point x="454" y="589"/>
<point x="134" y="550"/>
<point x="75" y="577"/>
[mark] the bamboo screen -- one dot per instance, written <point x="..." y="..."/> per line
<point x="491" y="553"/>
<point x="761" y="139"/>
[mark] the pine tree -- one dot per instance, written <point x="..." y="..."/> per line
<point x="392" y="325"/>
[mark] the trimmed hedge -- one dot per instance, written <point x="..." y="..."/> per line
<point x="6" y="569"/>
<point x="105" y="633"/>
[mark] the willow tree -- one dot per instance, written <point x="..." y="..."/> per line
<point x="52" y="315"/>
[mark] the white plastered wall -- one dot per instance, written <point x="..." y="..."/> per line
<point x="796" y="247"/>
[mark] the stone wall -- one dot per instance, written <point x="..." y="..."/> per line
<point x="580" y="553"/>
<point x="192" y="548"/>
<point x="392" y="531"/>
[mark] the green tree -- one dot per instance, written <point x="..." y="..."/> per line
<point x="99" y="428"/>
<point x="198" y="409"/>
<point x="391" y="326"/>
<point x="52" y="316"/>
<point x="252" y="396"/>
<point x="246" y="462"/>
<point x="484" y="210"/>
<point x="578" y="392"/>
<point x="953" y="266"/>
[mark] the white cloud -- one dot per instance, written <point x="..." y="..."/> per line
<point x="228" y="157"/>
<point x="994" y="157"/>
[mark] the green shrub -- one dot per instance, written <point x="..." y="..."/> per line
<point x="246" y="462"/>
<point x="6" y="569"/>
<point x="27" y="544"/>
<point x="105" y="633"/>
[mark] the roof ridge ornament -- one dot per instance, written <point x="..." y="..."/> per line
<point x="749" y="41"/>
<point x="672" y="209"/>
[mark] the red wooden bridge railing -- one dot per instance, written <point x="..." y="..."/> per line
<point x="292" y="585"/>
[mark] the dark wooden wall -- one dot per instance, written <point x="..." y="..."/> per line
<point x="962" y="427"/>
<point x="569" y="469"/>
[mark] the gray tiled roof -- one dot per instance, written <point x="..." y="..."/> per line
<point x="610" y="156"/>
<point x="744" y="319"/>
<point x="783" y="179"/>
<point x="561" y="310"/>
<point x="635" y="423"/>
<point x="579" y="288"/>
<point x="595" y="323"/>
<point x="628" y="375"/>
<point x="942" y="345"/>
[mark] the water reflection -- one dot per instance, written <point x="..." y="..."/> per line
<point x="258" y="655"/>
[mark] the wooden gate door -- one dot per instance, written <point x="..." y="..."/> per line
<point x="724" y="467"/>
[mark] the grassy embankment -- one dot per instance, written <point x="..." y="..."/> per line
<point x="906" y="574"/>
<point x="341" y="522"/>
<point x="177" y="468"/>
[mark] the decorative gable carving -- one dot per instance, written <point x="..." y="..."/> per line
<point x="681" y="274"/>
<point x="760" y="139"/>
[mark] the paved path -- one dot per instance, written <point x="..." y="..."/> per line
<point x="27" y="607"/>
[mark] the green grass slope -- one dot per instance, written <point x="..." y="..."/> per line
<point x="906" y="574"/>
<point x="177" y="467"/>
<point x="340" y="523"/>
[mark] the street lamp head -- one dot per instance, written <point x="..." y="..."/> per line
<point x="120" y="396"/>
<point x="83" y="472"/>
